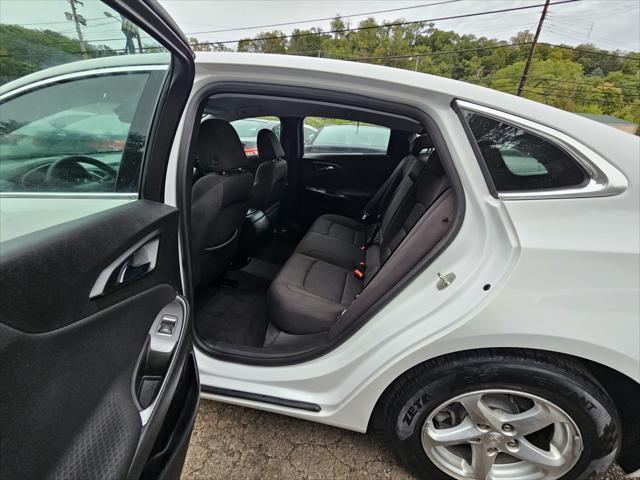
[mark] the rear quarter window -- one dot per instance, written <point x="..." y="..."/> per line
<point x="519" y="160"/>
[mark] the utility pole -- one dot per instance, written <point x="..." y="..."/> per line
<point x="533" y="47"/>
<point x="78" y="19"/>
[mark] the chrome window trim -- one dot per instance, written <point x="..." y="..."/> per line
<point x="96" y="72"/>
<point x="604" y="179"/>
<point x="80" y="195"/>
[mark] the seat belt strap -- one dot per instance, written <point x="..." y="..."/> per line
<point x="373" y="205"/>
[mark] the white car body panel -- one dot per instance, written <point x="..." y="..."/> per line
<point x="565" y="273"/>
<point x="22" y="214"/>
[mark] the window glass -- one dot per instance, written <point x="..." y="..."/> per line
<point x="330" y="135"/>
<point x="519" y="160"/>
<point x="71" y="136"/>
<point x="248" y="128"/>
<point x="76" y="102"/>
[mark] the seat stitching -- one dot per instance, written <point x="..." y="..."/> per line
<point x="297" y="289"/>
<point x="306" y="274"/>
<point x="344" y="286"/>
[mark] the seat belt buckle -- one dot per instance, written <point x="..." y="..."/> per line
<point x="359" y="269"/>
<point x="364" y="217"/>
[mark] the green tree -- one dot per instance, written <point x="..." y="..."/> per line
<point x="264" y="42"/>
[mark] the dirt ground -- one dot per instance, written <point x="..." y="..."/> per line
<point x="232" y="443"/>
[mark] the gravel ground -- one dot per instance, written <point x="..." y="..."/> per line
<point x="232" y="442"/>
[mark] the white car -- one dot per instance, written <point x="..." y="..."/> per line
<point x="473" y="290"/>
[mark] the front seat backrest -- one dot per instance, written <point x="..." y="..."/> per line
<point x="219" y="200"/>
<point x="271" y="176"/>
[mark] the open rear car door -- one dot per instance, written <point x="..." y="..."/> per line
<point x="97" y="372"/>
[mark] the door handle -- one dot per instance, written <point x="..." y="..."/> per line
<point x="131" y="265"/>
<point x="321" y="167"/>
<point x="328" y="193"/>
<point x="130" y="272"/>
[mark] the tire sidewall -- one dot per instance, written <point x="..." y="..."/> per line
<point x="589" y="408"/>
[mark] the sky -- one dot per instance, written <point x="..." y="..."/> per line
<point x="609" y="24"/>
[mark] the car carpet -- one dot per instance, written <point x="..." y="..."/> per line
<point x="236" y="315"/>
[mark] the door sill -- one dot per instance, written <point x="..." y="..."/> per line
<point x="257" y="397"/>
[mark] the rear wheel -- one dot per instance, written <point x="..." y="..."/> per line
<point x="502" y="415"/>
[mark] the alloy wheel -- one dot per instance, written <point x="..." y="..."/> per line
<point x="499" y="434"/>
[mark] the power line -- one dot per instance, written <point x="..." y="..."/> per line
<point x="367" y="27"/>
<point x="429" y="54"/>
<point x="547" y="87"/>
<point x="393" y="24"/>
<point x="447" y="52"/>
<point x="561" y="29"/>
<point x="323" y="19"/>
<point x="547" y="79"/>
<point x="583" y="50"/>
<point x="50" y="23"/>
<point x="574" y="98"/>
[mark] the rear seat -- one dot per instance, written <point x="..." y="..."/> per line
<point x="319" y="281"/>
<point x="339" y="239"/>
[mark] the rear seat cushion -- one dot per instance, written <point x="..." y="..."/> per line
<point x="309" y="294"/>
<point x="343" y="228"/>
<point x="331" y="249"/>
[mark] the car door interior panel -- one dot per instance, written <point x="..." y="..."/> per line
<point x="340" y="183"/>
<point x="111" y="353"/>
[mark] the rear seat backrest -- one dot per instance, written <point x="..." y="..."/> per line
<point x="418" y="190"/>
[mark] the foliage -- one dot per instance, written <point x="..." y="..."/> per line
<point x="584" y="79"/>
<point x="25" y="51"/>
<point x="580" y="80"/>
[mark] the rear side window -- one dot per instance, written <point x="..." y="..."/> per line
<point x="248" y="128"/>
<point x="518" y="160"/>
<point x="332" y="135"/>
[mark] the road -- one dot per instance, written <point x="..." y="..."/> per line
<point x="235" y="443"/>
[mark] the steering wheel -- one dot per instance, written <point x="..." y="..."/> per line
<point x="68" y="170"/>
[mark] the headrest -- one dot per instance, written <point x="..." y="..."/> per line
<point x="398" y="144"/>
<point x="269" y="147"/>
<point x="420" y="143"/>
<point x="219" y="147"/>
<point x="434" y="165"/>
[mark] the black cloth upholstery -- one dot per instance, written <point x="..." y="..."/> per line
<point x="269" y="147"/>
<point x="308" y="294"/>
<point x="342" y="228"/>
<point x="219" y="201"/>
<point x="219" y="148"/>
<point x="318" y="283"/>
<point x="271" y="176"/>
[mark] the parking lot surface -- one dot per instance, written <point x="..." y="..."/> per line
<point x="232" y="442"/>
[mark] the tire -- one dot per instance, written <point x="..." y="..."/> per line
<point x="412" y="400"/>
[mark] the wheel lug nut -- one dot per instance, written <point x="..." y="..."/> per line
<point x="492" y="450"/>
<point x="507" y="427"/>
<point x="512" y="444"/>
<point x="483" y="426"/>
